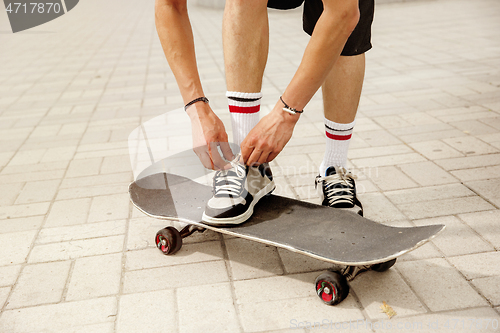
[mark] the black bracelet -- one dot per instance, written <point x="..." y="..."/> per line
<point x="199" y="99"/>
<point x="289" y="109"/>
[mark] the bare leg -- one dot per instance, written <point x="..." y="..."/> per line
<point x="342" y="89"/>
<point x="245" y="34"/>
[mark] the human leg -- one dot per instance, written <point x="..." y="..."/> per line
<point x="246" y="42"/>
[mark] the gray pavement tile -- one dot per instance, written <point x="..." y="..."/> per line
<point x="94" y="277"/>
<point x="249" y="260"/>
<point x="214" y="312"/>
<point x="485" y="224"/>
<point x="478" y="264"/>
<point x="175" y="277"/>
<point x="488" y="189"/>
<point x="16" y="247"/>
<point x="439" y="285"/>
<point x="147" y="312"/>
<point x="471" y="320"/>
<point x="59" y="317"/>
<point x="457" y="238"/>
<point x="373" y="288"/>
<point x="50" y="283"/>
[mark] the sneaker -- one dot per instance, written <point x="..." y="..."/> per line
<point x="236" y="191"/>
<point x="338" y="189"/>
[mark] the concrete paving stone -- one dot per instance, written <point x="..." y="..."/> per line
<point x="4" y="294"/>
<point x="378" y="208"/>
<point x="379" y="138"/>
<point x="430" y="193"/>
<point x="94" y="277"/>
<point x="91" y="191"/>
<point x="9" y="193"/>
<point x="249" y="259"/>
<point x="112" y="164"/>
<point x="275" y="288"/>
<point x="487" y="189"/>
<point x="9" y="274"/>
<point x="426" y="209"/>
<point x="25" y="157"/>
<point x="68" y="212"/>
<point x="50" y="282"/>
<point x="439" y="285"/>
<point x="378" y="151"/>
<point x="435" y="150"/>
<point x="469" y="145"/>
<point x="373" y="288"/>
<point x="474" y="127"/>
<point x="109" y="207"/>
<point x="41" y="191"/>
<point x="485" y="224"/>
<point x="373" y="162"/>
<point x="488" y="287"/>
<point x="82" y="168"/>
<point x="214" y="312"/>
<point x="478" y="264"/>
<point x="188" y="275"/>
<point x="389" y="122"/>
<point x="45" y="131"/>
<point x="469" y="162"/>
<point x="100" y="153"/>
<point x="147" y="312"/>
<point x="16" y="247"/>
<point x="471" y="320"/>
<point x="21" y="224"/>
<point x="189" y="253"/>
<point x="58" y="154"/>
<point x="457" y="238"/>
<point x="427" y="174"/>
<point x="96" y="328"/>
<point x="99" y="180"/>
<point x="296" y="313"/>
<point x="59" y="317"/>
<point x="31" y="176"/>
<point x="391" y="178"/>
<point x="76" y="249"/>
<point x="306" y="192"/>
<point x="477" y="173"/>
<point x="299" y="263"/>
<point x="5" y="158"/>
<point x="76" y="129"/>
<point x="27" y="169"/>
<point x="82" y="231"/>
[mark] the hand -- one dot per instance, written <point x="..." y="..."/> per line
<point x="268" y="138"/>
<point x="208" y="133"/>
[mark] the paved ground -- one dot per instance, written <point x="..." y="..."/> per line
<point x="76" y="257"/>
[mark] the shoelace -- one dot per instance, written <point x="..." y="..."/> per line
<point x="338" y="187"/>
<point x="230" y="182"/>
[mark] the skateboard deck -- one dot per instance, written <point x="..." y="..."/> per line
<point x="333" y="235"/>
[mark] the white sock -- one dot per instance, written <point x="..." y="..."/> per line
<point x="244" y="109"/>
<point x="338" y="137"/>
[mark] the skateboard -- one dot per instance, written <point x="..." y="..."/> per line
<point x="351" y="243"/>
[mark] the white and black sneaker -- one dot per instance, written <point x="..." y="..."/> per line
<point x="338" y="189"/>
<point x="236" y="191"/>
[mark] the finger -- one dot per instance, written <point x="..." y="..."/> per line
<point x="263" y="157"/>
<point x="205" y="159"/>
<point x="215" y="157"/>
<point x="226" y="151"/>
<point x="272" y="156"/>
<point x="253" y="160"/>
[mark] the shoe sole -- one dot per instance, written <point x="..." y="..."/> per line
<point x="236" y="220"/>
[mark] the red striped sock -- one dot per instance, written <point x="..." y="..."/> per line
<point x="338" y="137"/>
<point x="244" y="109"/>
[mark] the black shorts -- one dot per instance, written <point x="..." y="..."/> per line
<point x="360" y="40"/>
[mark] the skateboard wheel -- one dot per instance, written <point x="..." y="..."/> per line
<point x="168" y="240"/>
<point x="383" y="266"/>
<point x="331" y="287"/>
